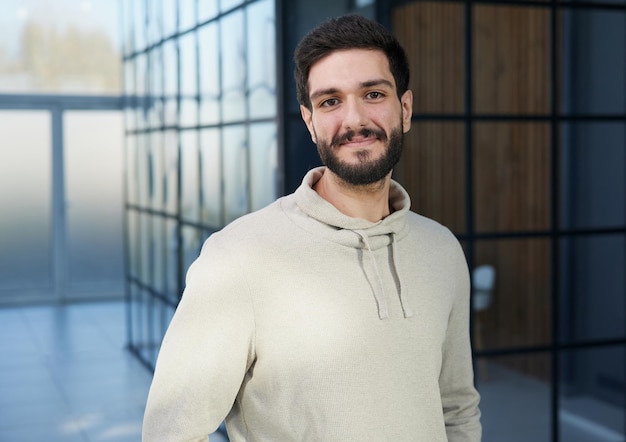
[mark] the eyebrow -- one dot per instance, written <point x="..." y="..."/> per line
<point x="363" y="85"/>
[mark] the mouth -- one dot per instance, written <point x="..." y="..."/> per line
<point x="361" y="138"/>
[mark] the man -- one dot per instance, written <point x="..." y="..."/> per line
<point x="335" y="313"/>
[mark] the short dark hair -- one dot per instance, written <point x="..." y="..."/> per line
<point x="348" y="32"/>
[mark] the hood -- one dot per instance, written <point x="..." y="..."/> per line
<point x="360" y="233"/>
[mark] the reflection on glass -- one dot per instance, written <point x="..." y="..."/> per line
<point x="519" y="313"/>
<point x="594" y="175"/>
<point x="594" y="65"/>
<point x="515" y="404"/>
<point x="211" y="159"/>
<point x="592" y="395"/>
<point x="261" y="59"/>
<point x="93" y="173"/>
<point x="235" y="172"/>
<point x="209" y="74"/>
<point x="233" y="67"/>
<point x="159" y="277"/>
<point x="25" y="201"/>
<point x="263" y="164"/>
<point x="173" y="290"/>
<point x="593" y="286"/>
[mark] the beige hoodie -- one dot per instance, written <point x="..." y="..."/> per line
<point x="299" y="323"/>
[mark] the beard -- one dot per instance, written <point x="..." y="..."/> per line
<point x="367" y="170"/>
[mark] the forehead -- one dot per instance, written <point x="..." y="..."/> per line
<point x="343" y="68"/>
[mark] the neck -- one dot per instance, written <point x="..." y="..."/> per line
<point x="369" y="202"/>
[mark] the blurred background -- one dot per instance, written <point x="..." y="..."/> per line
<point x="132" y="130"/>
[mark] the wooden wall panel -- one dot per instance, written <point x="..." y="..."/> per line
<point x="511" y="188"/>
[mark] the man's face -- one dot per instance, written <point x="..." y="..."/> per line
<point x="356" y="119"/>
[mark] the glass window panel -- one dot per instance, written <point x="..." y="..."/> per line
<point x="188" y="14"/>
<point x="130" y="150"/>
<point x="520" y="307"/>
<point x="515" y="398"/>
<point x="188" y="112"/>
<point x="593" y="286"/>
<point x="437" y="53"/>
<point x="126" y="14"/>
<point x="594" y="61"/>
<point x="60" y="47"/>
<point x="170" y="180"/>
<point x="190" y="176"/>
<point x="207" y="9"/>
<point x="143" y="170"/>
<point x="592" y="401"/>
<point x="170" y="67"/>
<point x="173" y="290"/>
<point x="159" y="250"/>
<point x="144" y="249"/>
<point x="211" y="162"/>
<point x="169" y="17"/>
<point x="188" y="65"/>
<point x="141" y="74"/>
<point x="155" y="57"/>
<point x="157" y="171"/>
<point x="225" y="5"/>
<point x="25" y="201"/>
<point x="511" y="59"/>
<point x="93" y="173"/>
<point x="233" y="67"/>
<point x="192" y="241"/>
<point x="262" y="59"/>
<point x="235" y="172"/>
<point x="132" y="234"/>
<point x="139" y="19"/>
<point x="209" y="74"/>
<point x="155" y="24"/>
<point x="432" y="170"/>
<point x="263" y="164"/>
<point x="129" y="78"/>
<point x="514" y="160"/>
<point x="593" y="175"/>
<point x="170" y="112"/>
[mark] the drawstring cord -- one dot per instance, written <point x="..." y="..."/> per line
<point x="378" y="287"/>
<point x="406" y="309"/>
<point x="379" y="293"/>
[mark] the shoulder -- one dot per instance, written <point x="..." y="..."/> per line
<point x="429" y="228"/>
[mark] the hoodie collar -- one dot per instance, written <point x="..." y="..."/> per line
<point x="359" y="233"/>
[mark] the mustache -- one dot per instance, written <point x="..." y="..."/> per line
<point x="365" y="132"/>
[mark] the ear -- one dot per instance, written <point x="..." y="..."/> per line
<point x="407" y="110"/>
<point x="307" y="117"/>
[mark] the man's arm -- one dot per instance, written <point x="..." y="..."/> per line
<point x="205" y="354"/>
<point x="456" y="382"/>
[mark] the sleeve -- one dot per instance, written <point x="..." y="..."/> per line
<point x="205" y="354"/>
<point x="456" y="382"/>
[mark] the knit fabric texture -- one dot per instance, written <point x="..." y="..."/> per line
<point x="299" y="323"/>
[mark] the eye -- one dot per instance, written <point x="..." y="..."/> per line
<point x="374" y="95"/>
<point x="329" y="103"/>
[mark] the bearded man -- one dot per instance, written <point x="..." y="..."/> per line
<point x="335" y="313"/>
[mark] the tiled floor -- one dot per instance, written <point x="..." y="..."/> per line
<point x="65" y="376"/>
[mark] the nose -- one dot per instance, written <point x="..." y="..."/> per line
<point x="355" y="115"/>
